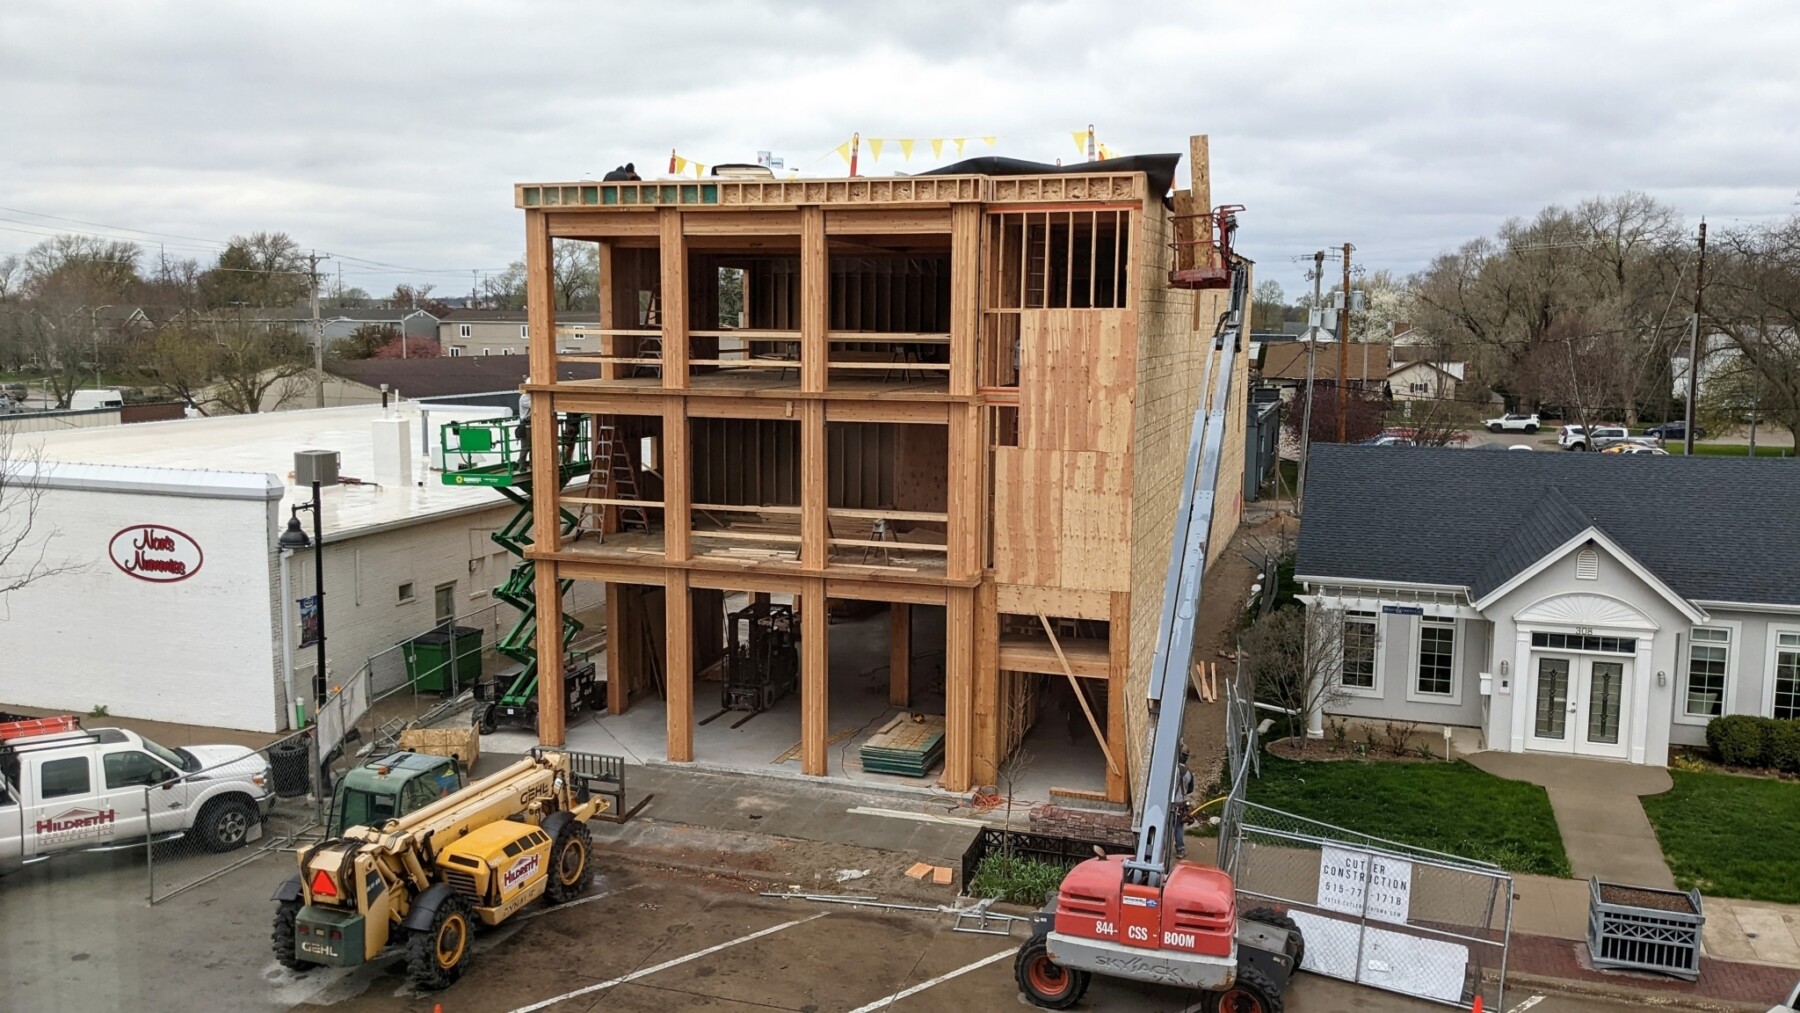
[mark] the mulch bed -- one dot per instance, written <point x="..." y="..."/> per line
<point x="1327" y="751"/>
<point x="1655" y="900"/>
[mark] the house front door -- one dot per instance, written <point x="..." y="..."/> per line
<point x="1578" y="705"/>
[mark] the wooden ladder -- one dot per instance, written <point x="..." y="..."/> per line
<point x="619" y="478"/>
<point x="650" y="345"/>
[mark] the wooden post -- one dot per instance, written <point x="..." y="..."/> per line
<point x="678" y="488"/>
<point x="815" y="677"/>
<point x="815" y="283"/>
<point x="965" y="506"/>
<point x="986" y="693"/>
<point x="674" y="301"/>
<point x="608" y="292"/>
<point x="959" y="672"/>
<point x="549" y="651"/>
<point x="1199" y="173"/>
<point x="815" y="551"/>
<point x="1118" y="669"/>
<point x="679" y="673"/>
<point x="1112" y="763"/>
<point x="965" y="296"/>
<point x="540" y="299"/>
<point x="899" y="654"/>
<point x="618" y="690"/>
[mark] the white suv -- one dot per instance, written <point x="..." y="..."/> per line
<point x="71" y="789"/>
<point x="1590" y="437"/>
<point x="1513" y="424"/>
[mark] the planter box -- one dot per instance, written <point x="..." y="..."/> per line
<point x="462" y="743"/>
<point x="1632" y="928"/>
<point x="1067" y="852"/>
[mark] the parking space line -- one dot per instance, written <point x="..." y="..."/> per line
<point x="923" y="985"/>
<point x="1527" y="1004"/>
<point x="665" y="965"/>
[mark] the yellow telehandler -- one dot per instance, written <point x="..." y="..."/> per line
<point x="422" y="880"/>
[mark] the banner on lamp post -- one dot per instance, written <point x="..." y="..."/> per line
<point x="311" y="622"/>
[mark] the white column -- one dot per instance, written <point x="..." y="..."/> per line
<point x="1520" y="673"/>
<point x="1643" y="680"/>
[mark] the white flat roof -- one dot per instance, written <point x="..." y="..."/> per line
<point x="200" y="453"/>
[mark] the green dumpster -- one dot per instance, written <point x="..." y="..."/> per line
<point x="433" y="666"/>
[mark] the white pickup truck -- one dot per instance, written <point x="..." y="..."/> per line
<point x="71" y="789"/>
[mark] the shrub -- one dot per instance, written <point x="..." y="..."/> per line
<point x="1736" y="739"/>
<point x="1743" y="740"/>
<point x="1015" y="879"/>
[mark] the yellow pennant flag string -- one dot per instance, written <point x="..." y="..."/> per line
<point x="990" y="140"/>
<point x="699" y="170"/>
<point x="843" y="151"/>
<point x="1080" y="138"/>
<point x="681" y="165"/>
<point x="937" y="147"/>
<point x="959" y="145"/>
<point x="906" y="146"/>
<point x="875" y="144"/>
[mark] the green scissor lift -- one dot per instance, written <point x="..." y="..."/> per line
<point x="491" y="453"/>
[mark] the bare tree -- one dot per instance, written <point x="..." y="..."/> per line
<point x="576" y="267"/>
<point x="229" y="365"/>
<point x="1295" y="657"/>
<point x="1754" y="301"/>
<point x="25" y="534"/>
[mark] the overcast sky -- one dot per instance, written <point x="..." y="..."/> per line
<point x="393" y="132"/>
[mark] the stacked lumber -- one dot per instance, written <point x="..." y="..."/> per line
<point x="907" y="747"/>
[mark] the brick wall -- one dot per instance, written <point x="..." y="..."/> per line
<point x="1082" y="823"/>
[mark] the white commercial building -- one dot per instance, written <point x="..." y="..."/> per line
<point x="170" y="602"/>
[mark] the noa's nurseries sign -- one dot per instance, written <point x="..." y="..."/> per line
<point x="156" y="553"/>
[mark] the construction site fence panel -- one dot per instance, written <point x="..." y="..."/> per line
<point x="1375" y="912"/>
<point x="1054" y="849"/>
<point x="227" y="812"/>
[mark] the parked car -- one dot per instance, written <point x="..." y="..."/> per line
<point x="1385" y="440"/>
<point x="66" y="788"/>
<point x="1792" y="1005"/>
<point x="14" y="392"/>
<point x="1511" y="423"/>
<point x="1590" y="437"/>
<point x="1675" y="431"/>
<point x="1635" y="448"/>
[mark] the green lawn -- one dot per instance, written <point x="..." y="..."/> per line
<point x="1731" y="836"/>
<point x="1450" y="807"/>
<point x="1677" y="448"/>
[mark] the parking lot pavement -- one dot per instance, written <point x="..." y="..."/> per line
<point x="78" y="937"/>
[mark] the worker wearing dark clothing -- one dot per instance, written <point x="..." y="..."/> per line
<point x="623" y="173"/>
<point x="571" y="435"/>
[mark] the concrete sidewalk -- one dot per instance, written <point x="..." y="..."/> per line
<point x="1604" y="829"/>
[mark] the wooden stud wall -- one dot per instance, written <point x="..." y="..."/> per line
<point x="748" y="462"/>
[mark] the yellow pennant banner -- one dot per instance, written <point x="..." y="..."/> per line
<point x="875" y="144"/>
<point x="681" y="165"/>
<point x="937" y="147"/>
<point x="843" y="151"/>
<point x="906" y="146"/>
<point x="1080" y="138"/>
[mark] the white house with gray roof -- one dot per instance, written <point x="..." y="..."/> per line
<point x="1565" y="603"/>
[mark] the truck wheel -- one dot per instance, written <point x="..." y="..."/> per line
<point x="281" y="938"/>
<point x="485" y="724"/>
<point x="1531" y="429"/>
<point x="224" y="824"/>
<point x="569" y="855"/>
<point x="435" y="957"/>
<point x="1044" y="981"/>
<point x="1252" y="993"/>
<point x="1494" y="428"/>
<point x="1296" y="947"/>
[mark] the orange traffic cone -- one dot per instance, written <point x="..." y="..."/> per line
<point x="1472" y="1009"/>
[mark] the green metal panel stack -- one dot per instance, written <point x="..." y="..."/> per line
<point x="909" y="745"/>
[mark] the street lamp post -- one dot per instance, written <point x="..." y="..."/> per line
<point x="94" y="332"/>
<point x="295" y="538"/>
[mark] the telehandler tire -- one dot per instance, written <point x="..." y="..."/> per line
<point x="436" y="956"/>
<point x="570" y="853"/>
<point x="1045" y="982"/>
<point x="281" y="938"/>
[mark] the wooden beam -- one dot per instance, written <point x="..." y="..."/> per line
<point x="1064" y="603"/>
<point x="649" y="571"/>
<point x="885" y="590"/>
<point x="595" y="225"/>
<point x="1200" y="172"/>
<point x="678" y="671"/>
<point x="546" y="515"/>
<point x="743" y="408"/>
<point x="900" y="655"/>
<point x="1112" y="765"/>
<point x="549" y="653"/>
<point x="678" y="489"/>
<point x="965" y="296"/>
<point x="913" y="412"/>
<point x="618" y="697"/>
<point x="815" y="278"/>
<point x="673" y="301"/>
<point x="815" y="678"/>
<point x="540" y="299"/>
<point x="609" y="343"/>
<point x="1118" y="782"/>
<point x="814" y="527"/>
<point x="959" y="689"/>
<point x="744" y="580"/>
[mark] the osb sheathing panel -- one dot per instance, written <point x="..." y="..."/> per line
<point x="1086" y="491"/>
<point x="1077" y="371"/>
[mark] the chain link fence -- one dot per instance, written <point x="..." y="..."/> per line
<point x="1372" y="911"/>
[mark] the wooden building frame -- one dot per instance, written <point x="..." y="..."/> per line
<point x="962" y="391"/>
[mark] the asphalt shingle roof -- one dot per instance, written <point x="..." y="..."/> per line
<point x="1713" y="529"/>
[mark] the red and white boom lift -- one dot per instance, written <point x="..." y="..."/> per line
<point x="1147" y="916"/>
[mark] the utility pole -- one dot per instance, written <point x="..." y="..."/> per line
<point x="1687" y="430"/>
<point x="312" y="274"/>
<point x="1312" y="355"/>
<point x="1344" y="345"/>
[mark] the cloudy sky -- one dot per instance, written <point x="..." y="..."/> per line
<point x="391" y="133"/>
